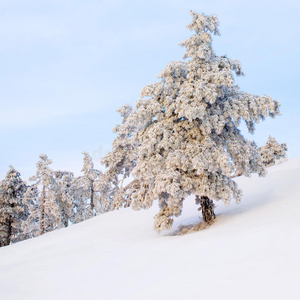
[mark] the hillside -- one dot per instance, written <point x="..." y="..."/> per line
<point x="251" y="251"/>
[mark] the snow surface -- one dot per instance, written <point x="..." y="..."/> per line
<point x="251" y="251"/>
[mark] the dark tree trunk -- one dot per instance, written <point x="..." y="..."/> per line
<point x="6" y="232"/>
<point x="63" y="214"/>
<point x="9" y="231"/>
<point x="42" y="220"/>
<point x="10" y="226"/>
<point x="92" y="197"/>
<point x="207" y="208"/>
<point x="64" y="218"/>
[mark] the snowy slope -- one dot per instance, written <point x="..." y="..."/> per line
<point x="252" y="251"/>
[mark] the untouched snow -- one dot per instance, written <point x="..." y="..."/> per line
<point x="251" y="251"/>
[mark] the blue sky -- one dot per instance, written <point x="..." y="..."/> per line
<point x="66" y="66"/>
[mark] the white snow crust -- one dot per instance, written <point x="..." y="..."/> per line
<point x="251" y="251"/>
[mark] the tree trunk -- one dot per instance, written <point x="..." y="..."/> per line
<point x="9" y="231"/>
<point x="9" y="225"/>
<point x="65" y="218"/>
<point x="63" y="215"/>
<point x="92" y="197"/>
<point x="207" y="208"/>
<point x="42" y="220"/>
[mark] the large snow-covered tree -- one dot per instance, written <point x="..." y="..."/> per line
<point x="184" y="135"/>
<point x="12" y="209"/>
<point x="272" y="152"/>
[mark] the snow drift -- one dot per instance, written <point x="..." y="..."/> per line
<point x="251" y="251"/>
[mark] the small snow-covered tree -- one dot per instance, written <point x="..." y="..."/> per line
<point x="81" y="206"/>
<point x="88" y="201"/>
<point x="64" y="195"/>
<point x="272" y="151"/>
<point x="12" y="209"/>
<point x="89" y="178"/>
<point x="31" y="227"/>
<point x="120" y="161"/>
<point x="44" y="212"/>
<point x="184" y="133"/>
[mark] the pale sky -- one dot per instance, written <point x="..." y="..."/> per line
<point x="66" y="66"/>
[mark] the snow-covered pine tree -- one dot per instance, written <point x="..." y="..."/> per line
<point x="12" y="210"/>
<point x="88" y="202"/>
<point x="186" y="138"/>
<point x="31" y="226"/>
<point x="44" y="211"/>
<point x="90" y="176"/>
<point x="272" y="151"/>
<point x="65" y="195"/>
<point x="120" y="161"/>
<point x="81" y="206"/>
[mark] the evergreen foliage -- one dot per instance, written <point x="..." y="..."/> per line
<point x="42" y="200"/>
<point x="87" y="198"/>
<point x="12" y="209"/>
<point x="64" y="195"/>
<point x="120" y="161"/>
<point x="272" y="152"/>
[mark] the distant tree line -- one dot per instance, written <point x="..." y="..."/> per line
<point x="54" y="200"/>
